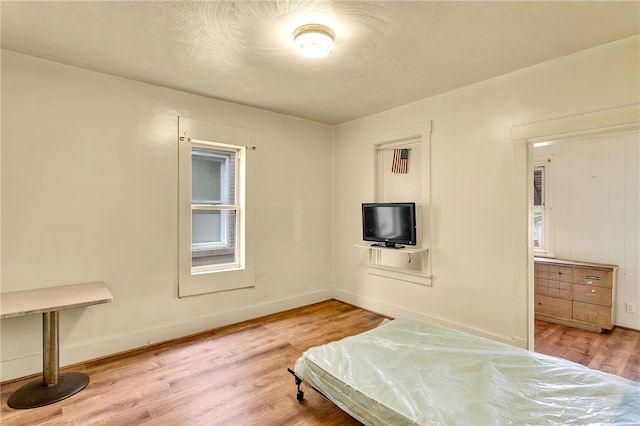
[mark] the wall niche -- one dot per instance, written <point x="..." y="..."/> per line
<point x="412" y="263"/>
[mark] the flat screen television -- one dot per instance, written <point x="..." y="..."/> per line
<point x="389" y="224"/>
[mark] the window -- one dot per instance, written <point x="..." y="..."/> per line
<point x="214" y="244"/>
<point x="214" y="207"/>
<point x="538" y="208"/>
<point x="542" y="204"/>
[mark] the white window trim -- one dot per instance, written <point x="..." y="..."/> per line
<point x="198" y="280"/>
<point x="240" y="154"/>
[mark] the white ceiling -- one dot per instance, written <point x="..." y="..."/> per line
<point x="387" y="53"/>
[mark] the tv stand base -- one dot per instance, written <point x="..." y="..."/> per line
<point x="388" y="245"/>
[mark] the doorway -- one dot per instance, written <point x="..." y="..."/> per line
<point x="585" y="206"/>
<point x="525" y="136"/>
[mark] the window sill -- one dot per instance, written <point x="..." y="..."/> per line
<point x="214" y="281"/>
<point x="542" y="254"/>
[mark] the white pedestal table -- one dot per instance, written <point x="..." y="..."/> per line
<point x="53" y="386"/>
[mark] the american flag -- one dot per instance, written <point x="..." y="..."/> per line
<point x="400" y="160"/>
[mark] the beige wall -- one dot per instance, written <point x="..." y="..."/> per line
<point x="478" y="189"/>
<point x="89" y="192"/>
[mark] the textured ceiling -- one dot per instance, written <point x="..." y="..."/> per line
<point x="387" y="53"/>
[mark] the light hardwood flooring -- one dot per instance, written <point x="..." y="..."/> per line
<point x="616" y="351"/>
<point x="237" y="375"/>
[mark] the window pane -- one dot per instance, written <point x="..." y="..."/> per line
<point x="538" y="220"/>
<point x="213" y="237"/>
<point x="213" y="176"/>
<point x="538" y="186"/>
<point x="206" y="186"/>
<point x="206" y="227"/>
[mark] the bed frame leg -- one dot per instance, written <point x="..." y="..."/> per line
<point x="300" y="394"/>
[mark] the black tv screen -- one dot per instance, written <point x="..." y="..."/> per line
<point x="389" y="224"/>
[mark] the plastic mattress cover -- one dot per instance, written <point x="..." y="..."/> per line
<point x="408" y="372"/>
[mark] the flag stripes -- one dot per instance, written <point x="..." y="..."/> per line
<point x="400" y="161"/>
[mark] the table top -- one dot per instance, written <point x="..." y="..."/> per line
<point x="27" y="302"/>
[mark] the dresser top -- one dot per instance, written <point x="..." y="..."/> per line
<point x="573" y="263"/>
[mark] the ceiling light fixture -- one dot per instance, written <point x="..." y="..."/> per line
<point x="313" y="40"/>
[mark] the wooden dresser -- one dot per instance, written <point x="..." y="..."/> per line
<point x="577" y="294"/>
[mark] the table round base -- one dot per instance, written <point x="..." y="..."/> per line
<point x="38" y="394"/>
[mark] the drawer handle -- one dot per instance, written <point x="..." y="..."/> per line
<point x="595" y="317"/>
<point x="592" y="277"/>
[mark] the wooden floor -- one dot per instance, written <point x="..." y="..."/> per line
<point x="616" y="351"/>
<point x="237" y="375"/>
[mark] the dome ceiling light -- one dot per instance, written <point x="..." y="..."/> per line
<point x="313" y="40"/>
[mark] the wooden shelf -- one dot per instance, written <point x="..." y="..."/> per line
<point x="377" y="267"/>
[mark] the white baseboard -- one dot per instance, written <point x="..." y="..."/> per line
<point x="69" y="355"/>
<point x="398" y="312"/>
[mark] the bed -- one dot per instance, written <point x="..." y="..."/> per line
<point x="408" y="372"/>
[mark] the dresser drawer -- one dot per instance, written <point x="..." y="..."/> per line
<point x="592" y="294"/>
<point x="597" y="315"/>
<point x="553" y="306"/>
<point x="541" y="278"/>
<point x="560" y="273"/>
<point x="541" y="270"/>
<point x="560" y="289"/>
<point x="542" y="286"/>
<point x="595" y="277"/>
<point x="551" y="288"/>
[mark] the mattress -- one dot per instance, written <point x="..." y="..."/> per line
<point x="408" y="372"/>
